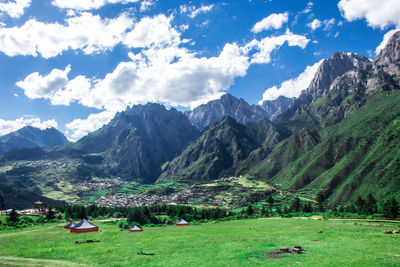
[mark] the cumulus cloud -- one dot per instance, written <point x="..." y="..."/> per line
<point x="267" y="45"/>
<point x="87" y="4"/>
<point x="50" y="40"/>
<point x="273" y="21"/>
<point x="8" y="126"/>
<point x="15" y="9"/>
<point x="386" y="38"/>
<point x="152" y="31"/>
<point x="55" y="86"/>
<point x="315" y="24"/>
<point x="79" y="128"/>
<point x="378" y="14"/>
<point x="292" y="87"/>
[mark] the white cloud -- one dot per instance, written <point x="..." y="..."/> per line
<point x="87" y="4"/>
<point x="55" y="86"/>
<point x="267" y="45"/>
<point x="155" y="31"/>
<point x="386" y="38"/>
<point x="195" y="11"/>
<point x="292" y="87"/>
<point x="8" y="126"/>
<point x="15" y="9"/>
<point x="378" y="13"/>
<point x="50" y="40"/>
<point x="202" y="9"/>
<point x="273" y="21"/>
<point x="146" y="4"/>
<point x="79" y="128"/>
<point x="308" y="9"/>
<point x="315" y="24"/>
<point x="328" y="24"/>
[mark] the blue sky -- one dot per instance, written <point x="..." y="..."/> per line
<point x="74" y="64"/>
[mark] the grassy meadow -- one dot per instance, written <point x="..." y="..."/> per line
<point x="230" y="243"/>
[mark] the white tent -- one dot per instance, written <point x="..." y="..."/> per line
<point x="182" y="223"/>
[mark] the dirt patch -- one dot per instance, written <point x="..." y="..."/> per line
<point x="277" y="254"/>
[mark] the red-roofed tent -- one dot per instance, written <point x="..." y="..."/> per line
<point x="84" y="226"/>
<point x="135" y="228"/>
<point x="182" y="223"/>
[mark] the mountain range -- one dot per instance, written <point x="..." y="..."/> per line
<point x="30" y="137"/>
<point x="340" y="136"/>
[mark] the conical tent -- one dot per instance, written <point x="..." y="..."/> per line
<point x="69" y="225"/>
<point x="182" y="223"/>
<point x="84" y="226"/>
<point x="135" y="229"/>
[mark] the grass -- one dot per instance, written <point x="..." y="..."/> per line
<point x="232" y="243"/>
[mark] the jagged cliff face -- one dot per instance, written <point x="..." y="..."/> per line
<point x="327" y="79"/>
<point x="206" y="115"/>
<point x="276" y="107"/>
<point x="147" y="137"/>
<point x="30" y="137"/>
<point x="388" y="59"/>
<point x="139" y="140"/>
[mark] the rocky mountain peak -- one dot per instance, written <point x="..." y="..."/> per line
<point x="330" y="69"/>
<point x="388" y="59"/>
<point x="276" y="107"/>
<point x="207" y="114"/>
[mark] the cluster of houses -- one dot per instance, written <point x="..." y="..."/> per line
<point x="40" y="207"/>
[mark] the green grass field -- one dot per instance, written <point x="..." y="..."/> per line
<point x="232" y="243"/>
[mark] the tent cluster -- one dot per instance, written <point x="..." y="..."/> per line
<point x="84" y="226"/>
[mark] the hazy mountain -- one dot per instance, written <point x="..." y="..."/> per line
<point x="276" y="107"/>
<point x="30" y="137"/>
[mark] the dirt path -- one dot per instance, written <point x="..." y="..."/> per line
<point x="28" y="231"/>
<point x="15" y="261"/>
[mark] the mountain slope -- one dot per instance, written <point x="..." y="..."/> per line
<point x="218" y="149"/>
<point x="139" y="140"/>
<point x="30" y="137"/>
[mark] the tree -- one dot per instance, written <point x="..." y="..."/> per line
<point x="249" y="210"/>
<point x="390" y="208"/>
<point x="320" y="198"/>
<point x="82" y="213"/>
<point x="370" y="204"/>
<point x="270" y="200"/>
<point x="360" y="203"/>
<point x="50" y="214"/>
<point x="295" y="205"/>
<point x="13" y="218"/>
<point x="307" y="207"/>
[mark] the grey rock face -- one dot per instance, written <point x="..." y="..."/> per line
<point x="206" y="115"/>
<point x="332" y="68"/>
<point x="276" y="107"/>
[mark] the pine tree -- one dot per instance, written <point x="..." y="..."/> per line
<point x="13" y="218"/>
<point x="370" y="205"/>
<point x="295" y="205"/>
<point x="50" y="214"/>
<point x="320" y="198"/>
<point x="249" y="210"/>
<point x="360" y="203"/>
<point x="270" y="200"/>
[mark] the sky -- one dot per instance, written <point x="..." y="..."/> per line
<point x="72" y="64"/>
